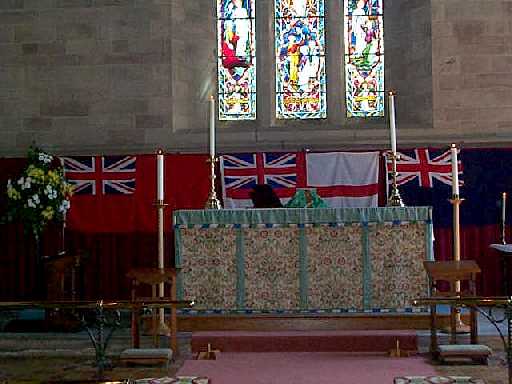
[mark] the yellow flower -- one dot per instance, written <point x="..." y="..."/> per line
<point x="48" y="213"/>
<point x="13" y="194"/>
<point x="35" y="173"/>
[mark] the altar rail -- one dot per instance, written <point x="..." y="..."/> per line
<point x="303" y="260"/>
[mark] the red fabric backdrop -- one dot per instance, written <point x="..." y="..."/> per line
<point x="121" y="236"/>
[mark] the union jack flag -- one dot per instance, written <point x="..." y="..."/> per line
<point x="241" y="172"/>
<point x="426" y="167"/>
<point x="97" y="175"/>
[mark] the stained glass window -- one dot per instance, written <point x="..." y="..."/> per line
<point x="300" y="59"/>
<point x="236" y="59"/>
<point x="364" y="58"/>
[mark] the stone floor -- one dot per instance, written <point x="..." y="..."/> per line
<point x="32" y="357"/>
<point x="36" y="357"/>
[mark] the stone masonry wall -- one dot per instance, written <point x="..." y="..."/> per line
<point x="472" y="70"/>
<point x="129" y="76"/>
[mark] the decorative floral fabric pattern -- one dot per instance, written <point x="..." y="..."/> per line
<point x="272" y="268"/>
<point x="209" y="267"/>
<point x="397" y="273"/>
<point x="335" y="277"/>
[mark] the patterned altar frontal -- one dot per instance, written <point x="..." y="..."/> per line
<point x="303" y="260"/>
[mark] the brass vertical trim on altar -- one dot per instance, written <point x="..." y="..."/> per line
<point x="240" y="267"/>
<point x="367" y="267"/>
<point x="303" y="267"/>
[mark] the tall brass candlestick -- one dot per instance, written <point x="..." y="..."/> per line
<point x="456" y="201"/>
<point x="394" y="199"/>
<point x="213" y="202"/>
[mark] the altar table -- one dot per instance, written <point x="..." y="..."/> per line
<point x="303" y="259"/>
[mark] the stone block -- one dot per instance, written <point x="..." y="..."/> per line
<point x="63" y="60"/>
<point x="37" y="123"/>
<point x="35" y="32"/>
<point x="6" y="33"/>
<point x="30" y="49"/>
<point x="468" y="9"/>
<point x="73" y="3"/>
<point x="112" y="121"/>
<point x="12" y="77"/>
<point x="120" y="46"/>
<point x="87" y="49"/>
<point x="140" y="80"/>
<point x="119" y="106"/>
<point x="149" y="121"/>
<point x="76" y="30"/>
<point x="64" y="106"/>
<point x="130" y="23"/>
<point x="160" y="27"/>
<point x="125" y="137"/>
<point x="39" y="4"/>
<point x="11" y="4"/>
<point x="158" y="136"/>
<point x="469" y="31"/>
<point x="17" y="17"/>
<point x="111" y="3"/>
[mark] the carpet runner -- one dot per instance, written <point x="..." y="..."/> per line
<point x="305" y="368"/>
<point x="379" y="341"/>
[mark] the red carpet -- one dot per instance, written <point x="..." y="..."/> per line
<point x="304" y="341"/>
<point x="304" y="368"/>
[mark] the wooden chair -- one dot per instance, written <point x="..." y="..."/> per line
<point x="154" y="277"/>
<point x="451" y="272"/>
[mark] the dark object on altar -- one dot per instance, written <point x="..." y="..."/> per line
<point x="263" y="196"/>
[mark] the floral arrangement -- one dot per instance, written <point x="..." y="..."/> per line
<point x="40" y="195"/>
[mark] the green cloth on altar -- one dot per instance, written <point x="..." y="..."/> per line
<point x="250" y="217"/>
<point x="306" y="198"/>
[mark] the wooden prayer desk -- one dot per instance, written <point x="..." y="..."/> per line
<point x="451" y="272"/>
<point x="63" y="277"/>
<point x="505" y="251"/>
<point x="154" y="277"/>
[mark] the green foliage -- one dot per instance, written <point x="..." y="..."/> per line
<point x="40" y="194"/>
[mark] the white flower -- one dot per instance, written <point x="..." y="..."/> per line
<point x="64" y="206"/>
<point x="48" y="191"/>
<point x="30" y="203"/>
<point x="21" y="180"/>
<point x="44" y="157"/>
<point x="9" y="185"/>
<point x="35" y="198"/>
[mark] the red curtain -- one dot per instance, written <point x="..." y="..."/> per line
<point x="109" y="255"/>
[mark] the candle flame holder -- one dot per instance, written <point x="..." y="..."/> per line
<point x="213" y="202"/>
<point x="394" y="199"/>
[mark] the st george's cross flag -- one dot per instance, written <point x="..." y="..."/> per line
<point x="284" y="172"/>
<point x="344" y="179"/>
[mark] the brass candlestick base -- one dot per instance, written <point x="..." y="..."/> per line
<point x="394" y="199"/>
<point x="213" y="202"/>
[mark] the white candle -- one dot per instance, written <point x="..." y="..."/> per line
<point x="455" y="171"/>
<point x="392" y="125"/>
<point x="160" y="175"/>
<point x="212" y="126"/>
<point x="503" y="206"/>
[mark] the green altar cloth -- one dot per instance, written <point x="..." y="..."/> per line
<point x="299" y="259"/>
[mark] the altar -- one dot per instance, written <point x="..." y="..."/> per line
<point x="303" y="260"/>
